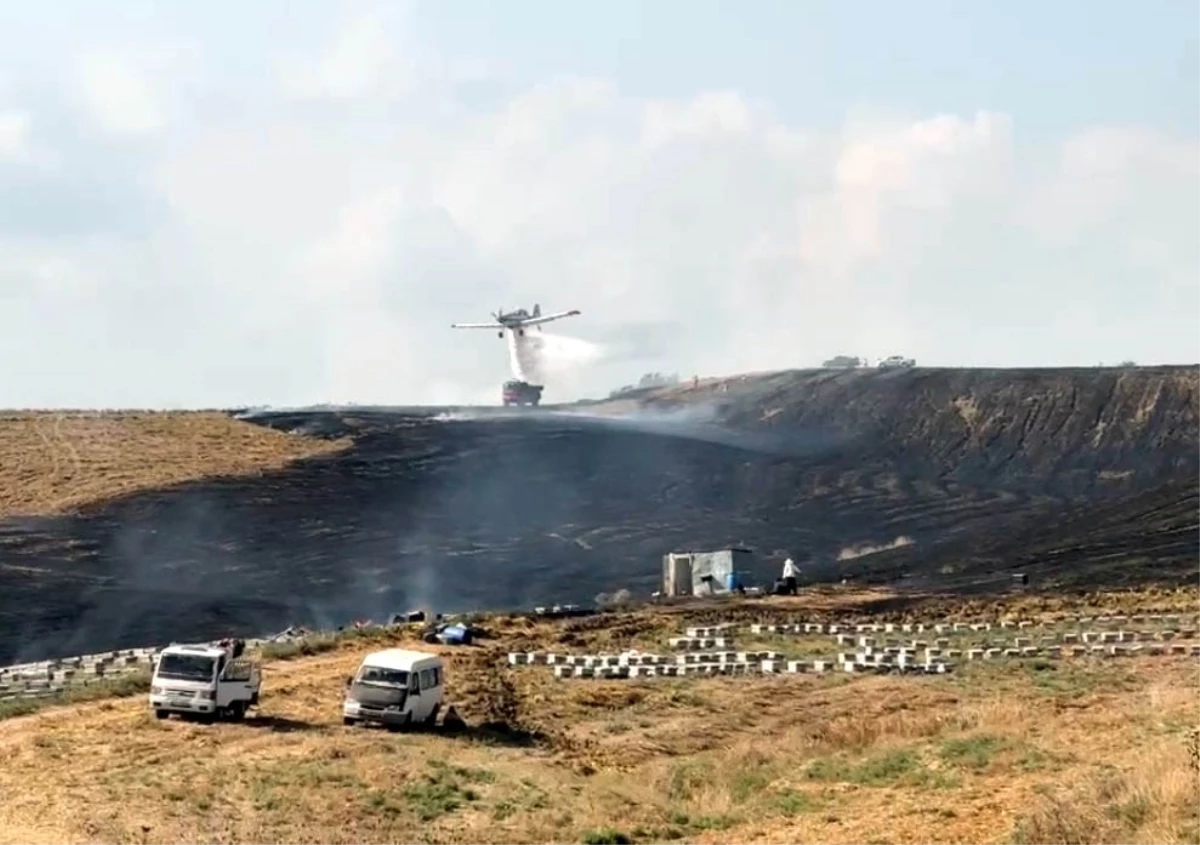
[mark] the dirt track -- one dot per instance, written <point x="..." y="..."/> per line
<point x="1078" y="477"/>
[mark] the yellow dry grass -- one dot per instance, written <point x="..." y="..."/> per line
<point x="53" y="462"/>
<point x="1078" y="751"/>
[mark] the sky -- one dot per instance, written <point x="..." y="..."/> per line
<point x="220" y="204"/>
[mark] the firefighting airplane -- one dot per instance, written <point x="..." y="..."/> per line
<point x="516" y="321"/>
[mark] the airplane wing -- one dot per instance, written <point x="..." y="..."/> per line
<point x="534" y="321"/>
<point x="476" y="325"/>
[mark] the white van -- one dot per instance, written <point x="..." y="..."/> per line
<point x="396" y="688"/>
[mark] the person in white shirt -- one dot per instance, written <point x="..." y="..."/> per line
<point x="790" y="573"/>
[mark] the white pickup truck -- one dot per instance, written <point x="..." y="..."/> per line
<point x="208" y="682"/>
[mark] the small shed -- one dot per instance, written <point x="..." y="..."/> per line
<point x="704" y="573"/>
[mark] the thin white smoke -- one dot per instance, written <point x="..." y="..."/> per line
<point x="863" y="549"/>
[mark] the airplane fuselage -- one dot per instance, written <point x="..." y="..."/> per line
<point x="522" y="347"/>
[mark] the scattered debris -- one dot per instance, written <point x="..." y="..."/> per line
<point x="409" y="618"/>
<point x="453" y="633"/>
<point x="560" y="611"/>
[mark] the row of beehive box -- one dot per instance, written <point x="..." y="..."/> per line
<point x="638" y="658"/>
<point x="721" y="662"/>
<point x="1058" y="638"/>
<point x="869" y="660"/>
<point x="1186" y="620"/>
<point x="83" y="666"/>
<point x="50" y="677"/>
<point x="765" y="667"/>
<point x="634" y="664"/>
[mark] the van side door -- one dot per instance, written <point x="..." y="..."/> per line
<point x="415" y="700"/>
<point x="438" y="693"/>
<point x="234" y="681"/>
<point x="431" y="687"/>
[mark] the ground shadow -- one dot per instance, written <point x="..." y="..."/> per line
<point x="496" y="733"/>
<point x="278" y="724"/>
<point x="491" y="733"/>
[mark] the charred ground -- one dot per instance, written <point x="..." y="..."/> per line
<point x="1077" y="477"/>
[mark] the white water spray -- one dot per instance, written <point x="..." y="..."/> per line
<point x="536" y="357"/>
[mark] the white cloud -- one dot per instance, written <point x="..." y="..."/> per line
<point x="362" y="59"/>
<point x="136" y="89"/>
<point x="121" y="99"/>
<point x="14" y="134"/>
<point x="43" y="273"/>
<point x="316" y="241"/>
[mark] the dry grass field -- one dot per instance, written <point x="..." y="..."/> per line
<point x="54" y="462"/>
<point x="1072" y="751"/>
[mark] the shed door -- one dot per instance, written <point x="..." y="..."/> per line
<point x="682" y="583"/>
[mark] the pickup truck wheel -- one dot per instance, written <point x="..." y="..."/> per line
<point x="161" y="714"/>
<point x="348" y="722"/>
<point x="237" y="711"/>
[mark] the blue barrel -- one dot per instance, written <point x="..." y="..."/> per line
<point x="732" y="582"/>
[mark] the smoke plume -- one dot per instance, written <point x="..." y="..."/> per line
<point x="863" y="549"/>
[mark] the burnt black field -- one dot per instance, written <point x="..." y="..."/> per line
<point x="1079" y="478"/>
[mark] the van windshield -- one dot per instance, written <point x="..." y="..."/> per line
<point x="383" y="677"/>
<point x="186" y="667"/>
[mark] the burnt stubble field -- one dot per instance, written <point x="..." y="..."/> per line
<point x="1079" y="478"/>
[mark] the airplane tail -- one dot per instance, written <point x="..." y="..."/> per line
<point x="537" y="310"/>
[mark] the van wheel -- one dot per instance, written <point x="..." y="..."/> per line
<point x="237" y="711"/>
<point x="161" y="714"/>
<point x="348" y="722"/>
<point x="431" y="719"/>
<point x="403" y="726"/>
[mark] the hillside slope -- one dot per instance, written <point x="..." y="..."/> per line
<point x="1068" y="430"/>
<point x="480" y="508"/>
<point x="1152" y="536"/>
<point x="54" y="461"/>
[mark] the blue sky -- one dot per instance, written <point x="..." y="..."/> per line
<point x="289" y="202"/>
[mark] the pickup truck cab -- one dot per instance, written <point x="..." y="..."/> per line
<point x="396" y="688"/>
<point x="204" y="681"/>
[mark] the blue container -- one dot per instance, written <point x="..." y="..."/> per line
<point x="732" y="582"/>
<point x="453" y="634"/>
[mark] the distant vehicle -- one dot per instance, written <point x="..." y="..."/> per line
<point x="205" y="681"/>
<point x="396" y="688"/>
<point x="895" y="362"/>
<point x="844" y="362"/>
<point x="516" y="321"/>
<point x="517" y="392"/>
